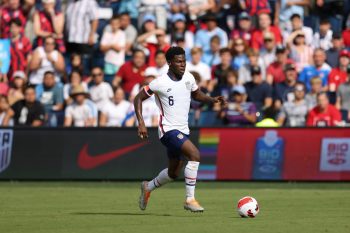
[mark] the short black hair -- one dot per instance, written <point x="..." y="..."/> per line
<point x="49" y="72"/>
<point x="125" y="13"/>
<point x="115" y="17"/>
<point x="324" y="21"/>
<point x="29" y="87"/>
<point x="97" y="67"/>
<point x="159" y="52"/>
<point x="295" y="16"/>
<point x="138" y="51"/>
<point x="224" y="50"/>
<point x="174" y="51"/>
<point x="16" y="21"/>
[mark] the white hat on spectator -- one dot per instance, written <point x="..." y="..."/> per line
<point x="19" y="74"/>
<point x="48" y="1"/>
<point x="79" y="90"/>
<point x="151" y="71"/>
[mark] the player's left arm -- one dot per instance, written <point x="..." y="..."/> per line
<point x="144" y="94"/>
<point x="198" y="95"/>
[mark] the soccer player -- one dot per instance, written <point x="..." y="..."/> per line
<point x="173" y="92"/>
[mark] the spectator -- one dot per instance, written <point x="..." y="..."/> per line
<point x="50" y="94"/>
<point x="44" y="59"/>
<point x="323" y="38"/>
<point x="264" y="26"/>
<point x="203" y="36"/>
<point x="101" y="92"/>
<point x="239" y="54"/>
<point x="244" y="73"/>
<point x="268" y="51"/>
<point x="212" y="57"/>
<point x="331" y="10"/>
<point x="219" y="72"/>
<point x="343" y="95"/>
<point x="284" y="9"/>
<point x="320" y="68"/>
<point x="300" y="52"/>
<point x="75" y="64"/>
<point x="161" y="63"/>
<point x="198" y="66"/>
<point x="179" y="30"/>
<point x="114" y="113"/>
<point x="80" y="113"/>
<point x="338" y="75"/>
<point x="239" y="112"/>
<point x="268" y="118"/>
<point x="131" y="72"/>
<point x="14" y="10"/>
<point x="16" y="92"/>
<point x="198" y="8"/>
<point x="244" y="29"/>
<point x="4" y="87"/>
<point x="81" y="31"/>
<point x="284" y="91"/>
<point x="20" y="48"/>
<point x="332" y="54"/>
<point x="346" y="36"/>
<point x="156" y="7"/>
<point x="293" y="113"/>
<point x="255" y="7"/>
<point x="316" y="88"/>
<point x="4" y="107"/>
<point x="297" y="25"/>
<point x="113" y="44"/>
<point x="26" y="112"/>
<point x="259" y="91"/>
<point x="75" y="79"/>
<point x="275" y="73"/>
<point x="226" y="87"/>
<point x="130" y="32"/>
<point x="49" y="22"/>
<point x="150" y="74"/>
<point x="324" y="114"/>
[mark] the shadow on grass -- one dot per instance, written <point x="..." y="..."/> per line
<point x="131" y="214"/>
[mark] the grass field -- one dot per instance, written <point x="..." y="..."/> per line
<point x="73" y="207"/>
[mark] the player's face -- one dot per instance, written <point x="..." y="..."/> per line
<point x="178" y="65"/>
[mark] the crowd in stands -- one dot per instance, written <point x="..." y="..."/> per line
<point x="81" y="62"/>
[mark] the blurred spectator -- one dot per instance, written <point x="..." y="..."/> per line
<point x="150" y="74"/>
<point x="198" y="8"/>
<point x="244" y="73"/>
<point x="284" y="91"/>
<point x="129" y="30"/>
<point x="324" y="114"/>
<point x="259" y="91"/>
<point x="332" y="54"/>
<point x="275" y="72"/>
<point x="226" y="87"/>
<point x="297" y="25"/>
<point x="178" y="30"/>
<point x="75" y="64"/>
<point x="131" y="72"/>
<point x="4" y="107"/>
<point x="203" y="36"/>
<point x="300" y="52"/>
<point x="212" y="57"/>
<point x="49" y="22"/>
<point x="268" y="118"/>
<point x="155" y="7"/>
<point x="323" y="38"/>
<point x="346" y="36"/>
<point x="239" y="54"/>
<point x="114" y="113"/>
<point x="338" y="75"/>
<point x="198" y="66"/>
<point x="46" y="58"/>
<point x="4" y="86"/>
<point x="254" y="7"/>
<point x="268" y="51"/>
<point x="101" y="92"/>
<point x="113" y="44"/>
<point x="320" y="69"/>
<point x="79" y="113"/>
<point x="264" y="26"/>
<point x="332" y="10"/>
<point x="15" y="9"/>
<point x="316" y="88"/>
<point x="343" y="95"/>
<point x="20" y="48"/>
<point x="284" y="9"/>
<point x="239" y="112"/>
<point x="50" y="94"/>
<point x="244" y="29"/>
<point x="16" y="92"/>
<point x="26" y="112"/>
<point x="81" y="31"/>
<point x="161" y="63"/>
<point x="293" y="113"/>
<point x="75" y="79"/>
<point x="219" y="72"/>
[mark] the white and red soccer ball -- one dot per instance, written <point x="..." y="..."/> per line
<point x="248" y="207"/>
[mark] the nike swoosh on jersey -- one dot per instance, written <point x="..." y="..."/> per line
<point x="87" y="162"/>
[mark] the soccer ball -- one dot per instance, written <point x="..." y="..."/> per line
<point x="248" y="207"/>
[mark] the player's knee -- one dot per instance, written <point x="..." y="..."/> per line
<point x="195" y="156"/>
<point x="173" y="174"/>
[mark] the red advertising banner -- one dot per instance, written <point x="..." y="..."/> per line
<point x="276" y="154"/>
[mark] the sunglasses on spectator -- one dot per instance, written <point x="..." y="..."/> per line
<point x="268" y="40"/>
<point x="97" y="75"/>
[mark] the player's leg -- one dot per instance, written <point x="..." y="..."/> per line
<point x="192" y="154"/>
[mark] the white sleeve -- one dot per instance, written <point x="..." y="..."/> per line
<point x="68" y="112"/>
<point x="109" y="90"/>
<point x="154" y="86"/>
<point x="105" y="39"/>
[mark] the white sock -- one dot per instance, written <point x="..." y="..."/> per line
<point x="191" y="170"/>
<point x="160" y="180"/>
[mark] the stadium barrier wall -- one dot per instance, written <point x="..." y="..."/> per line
<point x="298" y="154"/>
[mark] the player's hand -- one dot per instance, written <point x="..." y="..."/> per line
<point x="142" y="131"/>
<point x="221" y="100"/>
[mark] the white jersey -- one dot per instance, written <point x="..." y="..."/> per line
<point x="173" y="99"/>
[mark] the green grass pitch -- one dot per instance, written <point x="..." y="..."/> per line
<point x="102" y="207"/>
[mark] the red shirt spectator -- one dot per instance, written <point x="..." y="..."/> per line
<point x="324" y="114"/>
<point x="153" y="48"/>
<point x="275" y="71"/>
<point x="346" y="37"/>
<point x="338" y="75"/>
<point x="254" y="7"/>
<point x="244" y="30"/>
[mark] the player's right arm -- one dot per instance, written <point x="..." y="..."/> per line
<point x="144" y="94"/>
